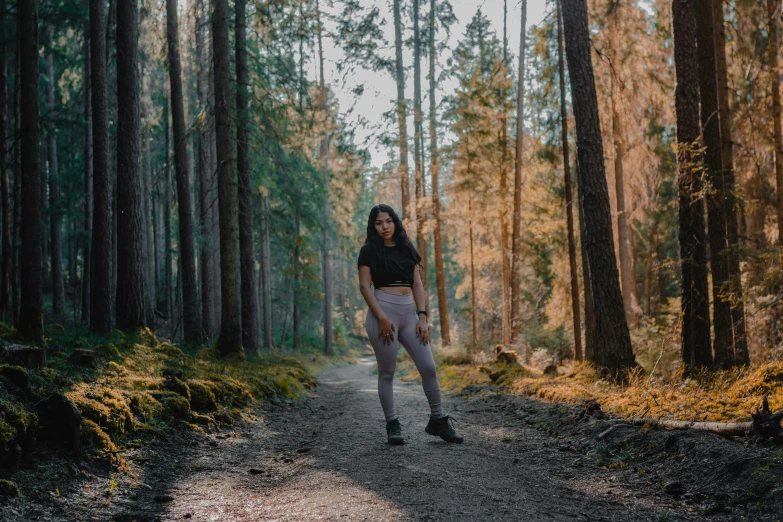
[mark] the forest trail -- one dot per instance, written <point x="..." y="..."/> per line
<point x="327" y="459"/>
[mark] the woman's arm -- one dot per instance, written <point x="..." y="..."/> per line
<point x="420" y="298"/>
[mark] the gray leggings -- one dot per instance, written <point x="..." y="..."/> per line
<point x="401" y="311"/>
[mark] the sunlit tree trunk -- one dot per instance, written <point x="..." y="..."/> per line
<point x="443" y="305"/>
<point x="739" y="353"/>
<point x="613" y="351"/>
<point x="569" y="199"/>
<point x="401" y="112"/>
<point x="474" y="331"/>
<point x="30" y="325"/>
<point x="421" y="201"/>
<point x="516" y="238"/>
<point x="230" y="340"/>
<point x="774" y="76"/>
<point x="504" y="238"/>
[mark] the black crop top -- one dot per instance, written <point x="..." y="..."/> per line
<point x="396" y="271"/>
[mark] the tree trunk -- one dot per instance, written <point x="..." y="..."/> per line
<point x="696" y="349"/>
<point x="613" y="352"/>
<point x="250" y="334"/>
<point x="504" y="239"/>
<point x="739" y="353"/>
<point x="131" y="313"/>
<point x="569" y="199"/>
<point x="297" y="279"/>
<point x="230" y="341"/>
<point x="326" y="225"/>
<point x="5" y="185"/>
<point x="443" y="305"/>
<point x="187" y="248"/>
<point x="774" y="72"/>
<point x="168" y="261"/>
<point x="88" y="158"/>
<point x="590" y="323"/>
<point x="474" y="331"/>
<point x="55" y="215"/>
<point x="30" y="325"/>
<point x="516" y="238"/>
<point x="209" y="296"/>
<point x="401" y="111"/>
<point x="622" y="217"/>
<point x="421" y="202"/>
<point x="266" y="271"/>
<point x="17" y="214"/>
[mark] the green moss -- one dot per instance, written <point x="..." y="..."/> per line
<point x="174" y="406"/>
<point x="145" y="405"/>
<point x="55" y="329"/>
<point x="95" y="437"/>
<point x="16" y="375"/>
<point x="9" y="490"/>
<point x="147" y="338"/>
<point x="178" y="387"/>
<point x="6" y="330"/>
<point x="104" y="406"/>
<point x="169" y="350"/>
<point x="108" y="350"/>
<point x="19" y="418"/>
<point x="7" y="434"/>
<point x="202" y="398"/>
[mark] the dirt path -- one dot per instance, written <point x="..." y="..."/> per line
<point x="326" y="459"/>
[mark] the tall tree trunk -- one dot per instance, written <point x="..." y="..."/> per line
<point x="187" y="248"/>
<point x="516" y="238"/>
<point x="739" y="353"/>
<point x="696" y="348"/>
<point x="326" y="225"/>
<point x="131" y="302"/>
<point x="250" y="333"/>
<point x="230" y="341"/>
<point x="5" y="185"/>
<point x="474" y="331"/>
<point x="209" y="297"/>
<point x="17" y="214"/>
<point x="297" y="280"/>
<point x="590" y="322"/>
<point x="30" y="325"/>
<point x="569" y="199"/>
<point x="88" y="137"/>
<point x="150" y="280"/>
<point x="613" y="353"/>
<point x="101" y="252"/>
<point x="421" y="201"/>
<point x="266" y="271"/>
<point x="168" y="261"/>
<point x="774" y="72"/>
<point x="55" y="215"/>
<point x="504" y="238"/>
<point x="622" y="217"/>
<point x="401" y="112"/>
<point x="443" y="305"/>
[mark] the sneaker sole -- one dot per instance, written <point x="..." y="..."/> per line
<point x="428" y="432"/>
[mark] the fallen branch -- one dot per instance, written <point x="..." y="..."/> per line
<point x="721" y="428"/>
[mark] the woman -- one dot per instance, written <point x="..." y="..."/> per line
<point x="388" y="261"/>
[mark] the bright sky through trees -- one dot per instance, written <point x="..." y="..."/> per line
<point x="380" y="89"/>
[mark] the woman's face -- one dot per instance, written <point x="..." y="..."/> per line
<point x="384" y="225"/>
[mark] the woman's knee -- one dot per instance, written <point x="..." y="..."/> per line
<point x="386" y="376"/>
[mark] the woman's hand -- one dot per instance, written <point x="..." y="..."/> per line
<point x="423" y="329"/>
<point x="386" y="329"/>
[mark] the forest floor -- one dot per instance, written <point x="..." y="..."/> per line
<point x="326" y="458"/>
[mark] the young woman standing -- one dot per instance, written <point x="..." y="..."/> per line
<point x="389" y="262"/>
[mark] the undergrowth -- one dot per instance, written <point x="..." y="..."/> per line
<point x="142" y="385"/>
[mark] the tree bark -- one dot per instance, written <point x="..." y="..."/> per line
<point x="250" y="333"/>
<point x="613" y="353"/>
<point x="230" y="340"/>
<point x="55" y="214"/>
<point x="266" y="271"/>
<point x="297" y="280"/>
<point x="88" y="158"/>
<point x="401" y="112"/>
<point x="696" y="348"/>
<point x="168" y="259"/>
<point x="569" y="199"/>
<point x="474" y="331"/>
<point x="421" y="201"/>
<point x="516" y="237"/>
<point x="30" y="325"/>
<point x="504" y="238"/>
<point x="774" y="72"/>
<point x="326" y="225"/>
<point x="131" y="303"/>
<point x="443" y="305"/>
<point x="17" y="213"/>
<point x="590" y="323"/>
<point x="5" y="185"/>
<point x="187" y="248"/>
<point x="739" y="354"/>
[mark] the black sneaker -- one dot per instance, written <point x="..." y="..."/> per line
<point x="394" y="432"/>
<point x="441" y="427"/>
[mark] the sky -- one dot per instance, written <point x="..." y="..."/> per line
<point x="380" y="89"/>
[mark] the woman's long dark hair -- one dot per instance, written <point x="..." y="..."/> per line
<point x="401" y="239"/>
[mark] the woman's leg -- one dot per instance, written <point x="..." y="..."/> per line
<point x="386" y="356"/>
<point x="422" y="357"/>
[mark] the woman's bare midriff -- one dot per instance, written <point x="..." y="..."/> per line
<point x="399" y="290"/>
